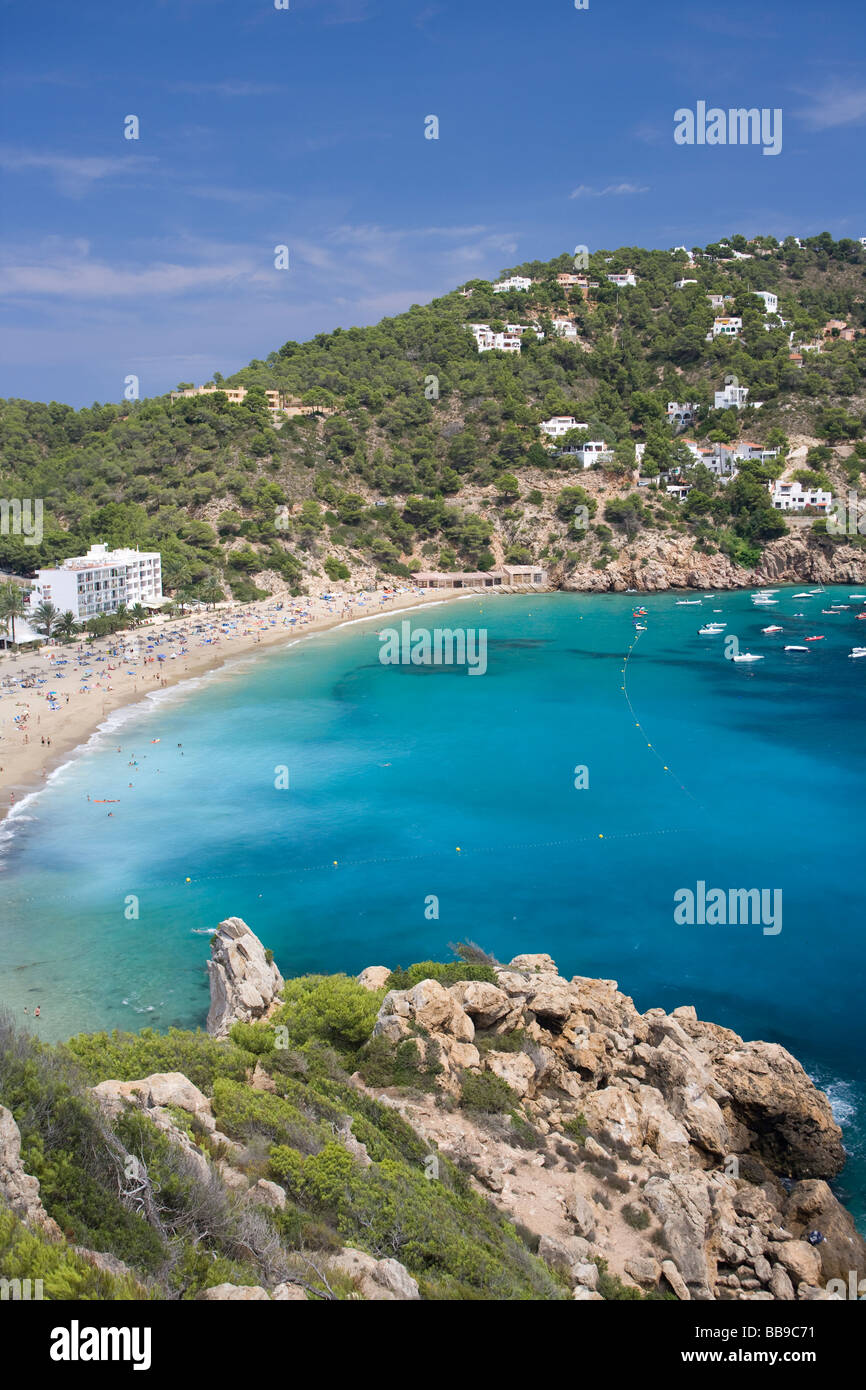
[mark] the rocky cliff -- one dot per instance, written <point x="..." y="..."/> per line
<point x="655" y="563"/>
<point x="682" y="1155"/>
<point x="244" y="983"/>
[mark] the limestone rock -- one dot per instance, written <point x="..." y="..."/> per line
<point x="18" y="1189"/>
<point x="790" y="1118"/>
<point x="288" y="1293"/>
<point x="381" y="1280"/>
<point x="233" y="1293"/>
<point x="780" y="1285"/>
<point x="676" y="1281"/>
<point x="374" y="977"/>
<point x="266" y="1193"/>
<point x="801" y="1260"/>
<point x="243" y="984"/>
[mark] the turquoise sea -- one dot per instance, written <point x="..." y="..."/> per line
<point x="420" y="790"/>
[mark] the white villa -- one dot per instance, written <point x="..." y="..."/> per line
<point x="558" y="425"/>
<point x="514" y="282"/>
<point x="735" y="396"/>
<point x="681" y="284"/>
<point x="725" y="328"/>
<point x="793" y="497"/>
<point x="621" y="278"/>
<point x="681" y="415"/>
<point x="100" y="581"/>
<point x="587" y="454"/>
<point x="488" y="341"/>
<point x="718" y="301"/>
<point x="771" y="301"/>
<point x="565" y="328"/>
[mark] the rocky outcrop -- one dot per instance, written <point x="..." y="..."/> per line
<point x="382" y="1280"/>
<point x="18" y="1189"/>
<point x="244" y="984"/>
<point x="657" y="562"/>
<point x="684" y="1156"/>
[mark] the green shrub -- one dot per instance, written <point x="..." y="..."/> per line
<point x="253" y="1037"/>
<point x="636" y="1217"/>
<point x="334" y="1009"/>
<point x="575" y="1128"/>
<point x="487" y="1092"/>
<point x="447" y="973"/>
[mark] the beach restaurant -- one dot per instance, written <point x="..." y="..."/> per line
<point x="507" y="577"/>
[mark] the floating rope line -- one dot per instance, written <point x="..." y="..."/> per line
<point x="651" y="746"/>
<point x="331" y="865"/>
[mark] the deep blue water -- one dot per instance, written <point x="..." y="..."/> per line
<point x="391" y="768"/>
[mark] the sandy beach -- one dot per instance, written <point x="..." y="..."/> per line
<point x="52" y="700"/>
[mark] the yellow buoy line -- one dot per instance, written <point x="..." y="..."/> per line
<point x="638" y="725"/>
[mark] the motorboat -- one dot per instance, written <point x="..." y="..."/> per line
<point x="796" y="649"/>
<point x="815" y="639"/>
<point x="856" y="652"/>
<point x="687" y="602"/>
<point x="711" y="630"/>
<point x="774" y="628"/>
<point x="746" y="656"/>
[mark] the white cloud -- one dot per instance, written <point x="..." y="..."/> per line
<point x="584" y="190"/>
<point x="75" y="174"/>
<point x="230" y="87"/>
<point x="838" y="104"/>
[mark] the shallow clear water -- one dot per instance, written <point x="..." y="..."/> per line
<point x="391" y="768"/>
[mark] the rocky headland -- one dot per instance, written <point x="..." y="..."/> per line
<point x="653" y="1154"/>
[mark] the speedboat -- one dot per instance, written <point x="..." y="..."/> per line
<point x="857" y="595"/>
<point x="855" y="652"/>
<point x="815" y="639"/>
<point x="746" y="656"/>
<point x="774" y="628"/>
<point x="687" y="602"/>
<point x="804" y="595"/>
<point x="796" y="649"/>
<point x="640" y="627"/>
<point x="711" y="630"/>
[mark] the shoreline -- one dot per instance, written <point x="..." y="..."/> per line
<point x="81" y="713"/>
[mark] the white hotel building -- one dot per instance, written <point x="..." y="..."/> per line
<point x="100" y="581"/>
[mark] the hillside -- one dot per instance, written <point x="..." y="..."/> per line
<point x="457" y="1131"/>
<point x="425" y="453"/>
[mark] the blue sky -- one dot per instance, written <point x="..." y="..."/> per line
<point x="305" y="127"/>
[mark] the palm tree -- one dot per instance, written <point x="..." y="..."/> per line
<point x="185" y="596"/>
<point x="211" y="592"/>
<point x="67" y="625"/>
<point x="11" y="605"/>
<point x="137" y="613"/>
<point x="44" y="617"/>
<point x="121" y="613"/>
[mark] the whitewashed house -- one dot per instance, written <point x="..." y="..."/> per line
<point x="793" y="497"/>
<point x="771" y="301"/>
<point x="735" y="396"/>
<point x="587" y="454"/>
<point x="725" y="328"/>
<point x="681" y="284"/>
<point x="681" y="415"/>
<point x="558" y="425"/>
<point x="621" y="278"/>
<point x="514" y="282"/>
<point x="755" y="452"/>
<point x="565" y="328"/>
<point x="488" y="341"/>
